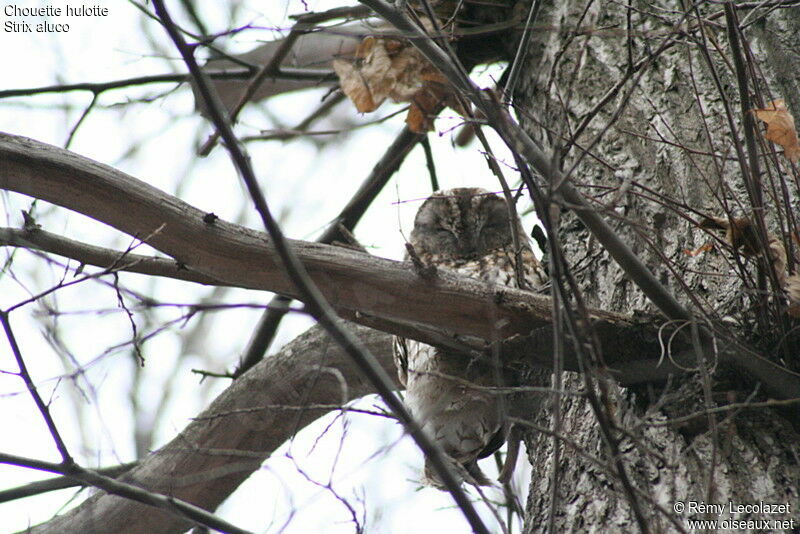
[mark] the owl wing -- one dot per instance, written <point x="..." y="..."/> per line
<point x="535" y="274"/>
<point x="441" y="394"/>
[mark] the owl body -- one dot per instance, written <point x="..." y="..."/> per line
<point x="466" y="230"/>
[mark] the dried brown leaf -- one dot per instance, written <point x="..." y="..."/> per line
<point x="389" y="68"/>
<point x="777" y="256"/>
<point x="780" y="128"/>
<point x="367" y="79"/>
<point x="793" y="293"/>
<point x="417" y="119"/>
<point x="698" y="251"/>
<point x="741" y="234"/>
<point x="426" y="102"/>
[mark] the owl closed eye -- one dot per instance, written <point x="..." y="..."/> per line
<point x="462" y="223"/>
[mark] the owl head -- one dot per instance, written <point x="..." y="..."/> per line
<point x="462" y="223"/>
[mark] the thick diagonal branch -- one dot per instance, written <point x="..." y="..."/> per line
<point x="373" y="291"/>
<point x="221" y="447"/>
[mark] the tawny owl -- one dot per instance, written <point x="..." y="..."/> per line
<point x="467" y="230"/>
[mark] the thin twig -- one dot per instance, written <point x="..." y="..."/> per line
<point x="172" y="505"/>
<point x="101" y="257"/>
<point x="286" y="73"/>
<point x="511" y="207"/>
<point x="752" y="179"/>
<point x="82" y="118"/>
<point x="63" y="482"/>
<point x="516" y="63"/>
<point x="305" y="24"/>
<point x="348" y="218"/>
<point x="44" y="409"/>
<point x="429" y="161"/>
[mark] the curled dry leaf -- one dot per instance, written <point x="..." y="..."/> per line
<point x="793" y="294"/>
<point x="383" y="68"/>
<point x="777" y="255"/>
<point x="741" y="234"/>
<point x="780" y="128"/>
<point x="699" y="250"/>
<point x="435" y="92"/>
<point x="389" y="68"/>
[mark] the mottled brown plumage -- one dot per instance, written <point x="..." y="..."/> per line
<point x="466" y="230"/>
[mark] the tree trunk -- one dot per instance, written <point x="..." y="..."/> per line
<point x="653" y="177"/>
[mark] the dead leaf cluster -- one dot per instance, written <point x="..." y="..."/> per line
<point x="741" y="234"/>
<point x="390" y="68"/>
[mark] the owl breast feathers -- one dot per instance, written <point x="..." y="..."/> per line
<point x="469" y="231"/>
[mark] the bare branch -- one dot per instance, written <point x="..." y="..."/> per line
<point x="58" y="483"/>
<point x="85" y="253"/>
<point x="364" y="288"/>
<point x="43" y="407"/>
<point x="174" y="506"/>
<point x="245" y="258"/>
<point x="220" y="448"/>
<point x="305" y="77"/>
<point x="316" y="303"/>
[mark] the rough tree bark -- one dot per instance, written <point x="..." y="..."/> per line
<point x="746" y="456"/>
